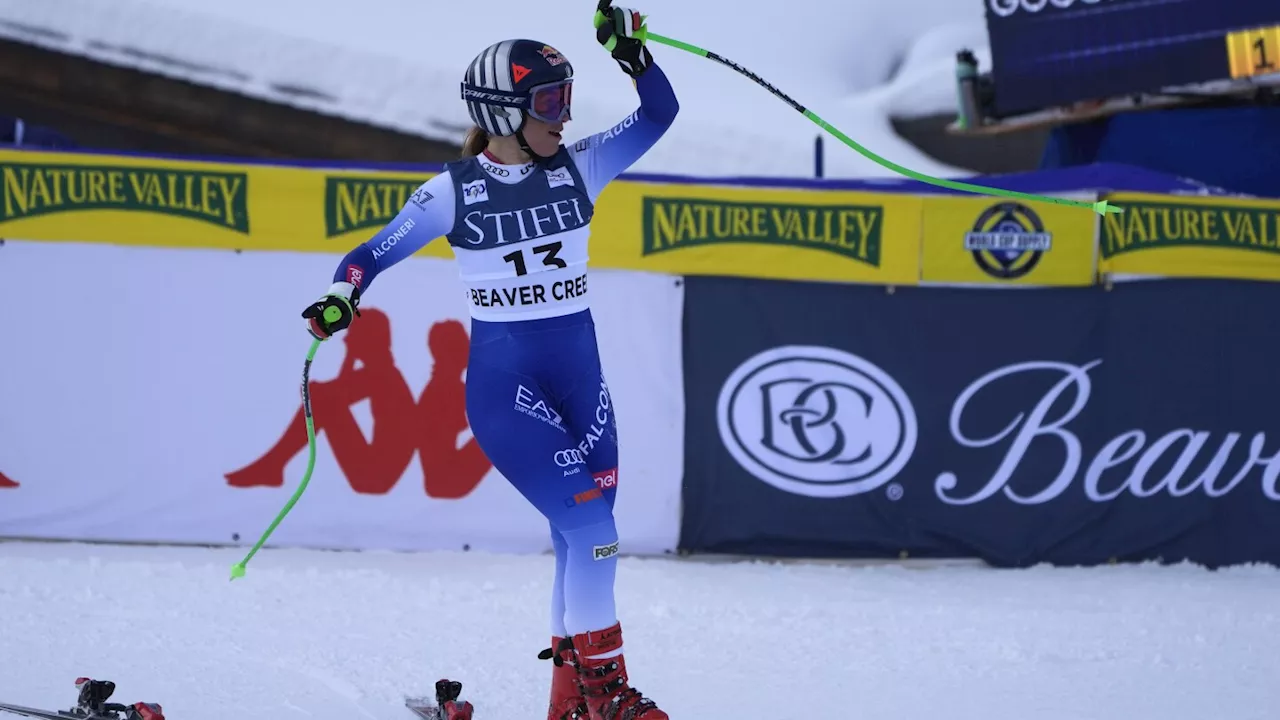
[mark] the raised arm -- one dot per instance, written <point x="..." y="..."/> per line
<point x="605" y="155"/>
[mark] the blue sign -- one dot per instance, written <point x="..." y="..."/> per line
<point x="1056" y="52"/>
<point x="1065" y="425"/>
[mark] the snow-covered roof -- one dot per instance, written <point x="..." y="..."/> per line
<point x="397" y="64"/>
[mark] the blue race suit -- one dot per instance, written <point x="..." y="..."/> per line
<point x="537" y="400"/>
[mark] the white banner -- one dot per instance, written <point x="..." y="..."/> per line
<point x="153" y="395"/>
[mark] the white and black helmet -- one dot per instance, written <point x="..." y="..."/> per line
<point x="514" y="78"/>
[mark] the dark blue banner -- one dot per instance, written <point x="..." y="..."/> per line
<point x="1073" y="426"/>
<point x="1047" y="53"/>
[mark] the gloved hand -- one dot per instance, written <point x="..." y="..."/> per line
<point x="623" y="33"/>
<point x="334" y="311"/>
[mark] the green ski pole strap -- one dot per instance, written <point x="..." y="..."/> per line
<point x="237" y="570"/>
<point x="1102" y="207"/>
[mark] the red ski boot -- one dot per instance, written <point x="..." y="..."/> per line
<point x="447" y="706"/>
<point x="457" y="710"/>
<point x="567" y="702"/>
<point x="145" y="711"/>
<point x="604" y="681"/>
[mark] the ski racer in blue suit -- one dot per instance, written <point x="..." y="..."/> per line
<point x="517" y="210"/>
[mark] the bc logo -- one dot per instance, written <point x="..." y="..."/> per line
<point x="816" y="421"/>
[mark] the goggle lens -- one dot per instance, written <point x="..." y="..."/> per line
<point x="551" y="102"/>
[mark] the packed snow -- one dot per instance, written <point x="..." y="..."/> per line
<point x="397" y="63"/>
<point x="341" y="635"/>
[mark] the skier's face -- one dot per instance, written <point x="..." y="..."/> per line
<point x="543" y="137"/>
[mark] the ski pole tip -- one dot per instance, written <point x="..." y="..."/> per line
<point x="237" y="571"/>
<point x="1102" y="207"/>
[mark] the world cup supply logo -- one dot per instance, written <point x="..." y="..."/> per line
<point x="816" y="421"/>
<point x="1007" y="240"/>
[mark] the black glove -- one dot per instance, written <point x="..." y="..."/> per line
<point x="622" y="31"/>
<point x="333" y="312"/>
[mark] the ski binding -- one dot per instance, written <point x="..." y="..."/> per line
<point x="446" y="705"/>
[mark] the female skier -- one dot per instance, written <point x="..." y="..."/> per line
<point x="517" y="210"/>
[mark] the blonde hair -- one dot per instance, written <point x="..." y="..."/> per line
<point x="475" y="143"/>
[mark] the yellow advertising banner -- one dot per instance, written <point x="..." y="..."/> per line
<point x="990" y="241"/>
<point x="129" y="200"/>
<point x="799" y="234"/>
<point x="359" y="204"/>
<point x="1177" y="236"/>
<point x="791" y="234"/>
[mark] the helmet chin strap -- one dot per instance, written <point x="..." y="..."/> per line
<point x="524" y="145"/>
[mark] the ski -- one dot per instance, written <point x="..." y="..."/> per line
<point x="45" y="714"/>
<point x="91" y="705"/>
<point x="424" y="708"/>
<point x="445" y="705"/>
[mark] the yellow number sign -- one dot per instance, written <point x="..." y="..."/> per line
<point x="1254" y="52"/>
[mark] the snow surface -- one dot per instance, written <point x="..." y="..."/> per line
<point x="324" y="635"/>
<point x="398" y="63"/>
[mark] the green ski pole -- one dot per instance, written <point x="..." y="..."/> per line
<point x="331" y="314"/>
<point x="1102" y="207"/>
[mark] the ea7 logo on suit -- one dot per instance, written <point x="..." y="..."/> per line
<point x="421" y="197"/>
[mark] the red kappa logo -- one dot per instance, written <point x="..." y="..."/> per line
<point x="429" y="426"/>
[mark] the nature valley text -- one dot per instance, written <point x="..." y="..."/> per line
<point x="31" y="189"/>
<point x="852" y="231"/>
<point x="359" y="203"/>
<point x="1145" y="226"/>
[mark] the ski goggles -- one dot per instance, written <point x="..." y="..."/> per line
<point x="550" y="102"/>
